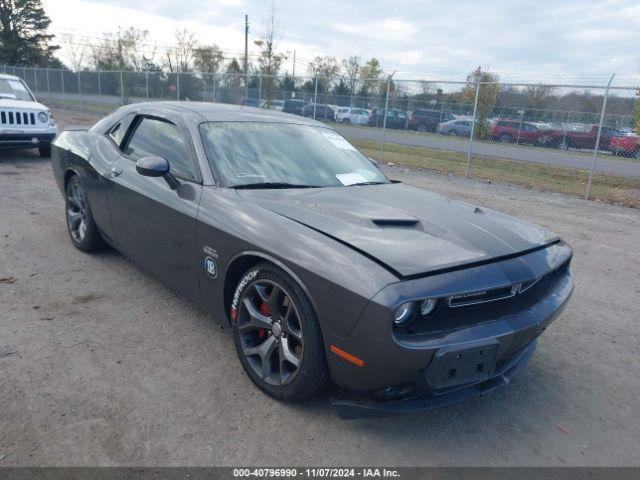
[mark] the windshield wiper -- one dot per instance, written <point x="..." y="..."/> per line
<point x="272" y="185"/>
<point x="366" y="183"/>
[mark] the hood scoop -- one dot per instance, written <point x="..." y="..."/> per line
<point x="395" y="222"/>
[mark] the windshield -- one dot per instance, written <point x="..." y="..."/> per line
<point x="14" y="89"/>
<point x="270" y="154"/>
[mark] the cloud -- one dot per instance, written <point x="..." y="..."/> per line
<point x="416" y="37"/>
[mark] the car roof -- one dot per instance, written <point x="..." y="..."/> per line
<point x="219" y="112"/>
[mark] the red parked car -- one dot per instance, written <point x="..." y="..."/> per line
<point x="515" y="131"/>
<point x="584" y="136"/>
<point x="625" y="145"/>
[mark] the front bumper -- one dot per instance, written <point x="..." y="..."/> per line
<point x="350" y="406"/>
<point x="400" y="373"/>
<point x="26" y="139"/>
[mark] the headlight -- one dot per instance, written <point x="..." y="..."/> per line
<point x="403" y="314"/>
<point x="427" y="306"/>
<point x="43" y="117"/>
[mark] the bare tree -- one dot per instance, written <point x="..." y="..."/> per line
<point x="76" y="52"/>
<point x="180" y="57"/>
<point x="325" y="69"/>
<point x="352" y="67"/>
<point x="127" y="49"/>
<point x="270" y="59"/>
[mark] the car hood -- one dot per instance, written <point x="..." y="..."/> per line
<point x="408" y="230"/>
<point x="22" y="104"/>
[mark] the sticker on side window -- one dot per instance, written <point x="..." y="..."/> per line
<point x="338" y="140"/>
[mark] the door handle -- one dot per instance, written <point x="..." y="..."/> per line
<point x="116" y="171"/>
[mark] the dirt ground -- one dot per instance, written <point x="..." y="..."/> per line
<point x="100" y="364"/>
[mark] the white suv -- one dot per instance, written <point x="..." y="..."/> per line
<point x="24" y="123"/>
<point x="356" y="116"/>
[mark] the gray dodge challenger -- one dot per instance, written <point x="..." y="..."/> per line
<point x="327" y="271"/>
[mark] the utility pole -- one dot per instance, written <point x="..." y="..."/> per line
<point x="293" y="75"/>
<point x="246" y="57"/>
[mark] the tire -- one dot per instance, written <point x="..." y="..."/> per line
<point x="347" y="121"/>
<point x="505" y="138"/>
<point x="77" y="211"/>
<point x="45" y="151"/>
<point x="422" y="128"/>
<point x="453" y="133"/>
<point x="637" y="154"/>
<point x="268" y="349"/>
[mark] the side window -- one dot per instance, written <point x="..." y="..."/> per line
<point x="118" y="131"/>
<point x="163" y="139"/>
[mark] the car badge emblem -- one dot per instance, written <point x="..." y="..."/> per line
<point x="210" y="267"/>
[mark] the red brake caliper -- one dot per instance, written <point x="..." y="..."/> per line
<point x="264" y="311"/>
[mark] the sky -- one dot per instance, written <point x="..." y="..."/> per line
<point x="541" y="40"/>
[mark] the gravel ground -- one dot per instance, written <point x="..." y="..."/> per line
<point x="100" y="364"/>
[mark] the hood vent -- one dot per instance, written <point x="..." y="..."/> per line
<point x="395" y="222"/>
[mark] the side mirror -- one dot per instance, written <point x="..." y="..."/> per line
<point x="157" y="167"/>
<point x="375" y="162"/>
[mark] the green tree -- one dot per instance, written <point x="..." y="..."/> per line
<point x="287" y="84"/>
<point x="487" y="96"/>
<point x="370" y="75"/>
<point x="325" y="69"/>
<point x="23" y="34"/>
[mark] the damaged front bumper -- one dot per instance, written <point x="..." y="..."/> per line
<point x="351" y="407"/>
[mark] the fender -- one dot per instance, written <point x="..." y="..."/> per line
<point x="279" y="264"/>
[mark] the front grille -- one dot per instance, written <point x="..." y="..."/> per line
<point x="483" y="296"/>
<point x="17" y="118"/>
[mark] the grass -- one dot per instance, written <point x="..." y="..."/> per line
<point x="606" y="187"/>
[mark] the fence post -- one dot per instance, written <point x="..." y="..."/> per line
<point x="520" y="126"/>
<point x="48" y="84"/>
<point x="259" y="89"/>
<point x="315" y="97"/>
<point x="473" y="127"/>
<point x="215" y="80"/>
<point x="79" y="83"/>
<point x="35" y="78"/>
<point x="121" y="87"/>
<point x="384" y="119"/>
<point x="178" y="85"/>
<point x="564" y="131"/>
<point x="597" y="145"/>
<point x="99" y="84"/>
<point x="62" y="79"/>
<point x="146" y="83"/>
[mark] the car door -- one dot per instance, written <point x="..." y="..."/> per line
<point x="153" y="224"/>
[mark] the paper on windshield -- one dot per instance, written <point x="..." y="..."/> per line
<point x="338" y="140"/>
<point x="350" y="178"/>
<point x="16" y="85"/>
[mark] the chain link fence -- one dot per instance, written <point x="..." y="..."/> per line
<point x="576" y="139"/>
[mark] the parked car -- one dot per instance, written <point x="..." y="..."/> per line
<point x="24" y="123"/>
<point x="250" y="102"/>
<point x="293" y="106"/>
<point x="355" y="116"/>
<point x="424" y="120"/>
<point x="324" y="269"/>
<point x="625" y="145"/>
<point x="319" y="112"/>
<point x="460" y="127"/>
<point x="584" y="137"/>
<point x="516" y="131"/>
<point x="276" y="105"/>
<point x="395" y="118"/>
